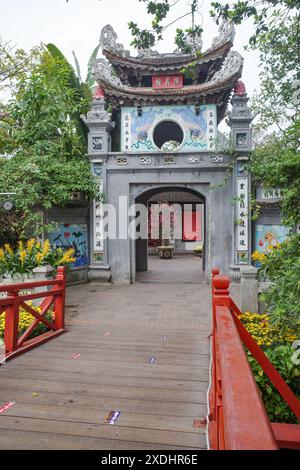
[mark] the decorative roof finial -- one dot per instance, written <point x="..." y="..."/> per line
<point x="240" y="88"/>
<point x="98" y="93"/>
<point x="108" y="41"/>
<point x="226" y="34"/>
<point x="233" y="64"/>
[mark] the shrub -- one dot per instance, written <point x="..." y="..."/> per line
<point x="281" y="266"/>
<point x="281" y="357"/>
<point x="264" y="332"/>
<point x="277" y="345"/>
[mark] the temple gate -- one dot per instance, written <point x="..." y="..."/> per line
<point x="154" y="137"/>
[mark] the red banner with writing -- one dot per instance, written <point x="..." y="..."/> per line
<point x="165" y="82"/>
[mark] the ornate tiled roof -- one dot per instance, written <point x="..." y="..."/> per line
<point x="217" y="90"/>
<point x="219" y="69"/>
<point x="154" y="62"/>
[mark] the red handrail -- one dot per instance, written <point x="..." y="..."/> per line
<point x="238" y="419"/>
<point x="10" y="307"/>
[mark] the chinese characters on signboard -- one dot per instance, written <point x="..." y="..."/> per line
<point x="211" y="127"/>
<point x="271" y="193"/>
<point x="99" y="222"/>
<point x="242" y="208"/>
<point x="127" y="131"/>
<point x="160" y="82"/>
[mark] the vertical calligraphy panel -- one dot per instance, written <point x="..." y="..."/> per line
<point x="126" y="132"/>
<point x="211" y="129"/>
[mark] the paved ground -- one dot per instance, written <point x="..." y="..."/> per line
<point x="186" y="268"/>
<point x="61" y="402"/>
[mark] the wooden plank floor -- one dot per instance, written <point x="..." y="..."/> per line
<point x="61" y="402"/>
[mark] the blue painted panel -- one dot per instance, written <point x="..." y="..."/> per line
<point x="200" y="131"/>
<point x="73" y="236"/>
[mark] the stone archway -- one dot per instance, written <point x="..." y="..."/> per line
<point x="174" y="194"/>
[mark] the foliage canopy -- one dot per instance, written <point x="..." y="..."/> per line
<point x="41" y="128"/>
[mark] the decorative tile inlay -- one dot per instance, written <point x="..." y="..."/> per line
<point x="98" y="170"/>
<point x="193" y="160"/>
<point x="217" y="159"/>
<point x="97" y="143"/>
<point x="145" y="160"/>
<point x="122" y="161"/>
<point x="170" y="160"/>
<point x="241" y="140"/>
<point x="241" y="169"/>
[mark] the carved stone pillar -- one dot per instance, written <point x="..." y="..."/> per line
<point x="249" y="289"/>
<point x="100" y="126"/>
<point x="240" y="120"/>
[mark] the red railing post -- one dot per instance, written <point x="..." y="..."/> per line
<point x="11" y="331"/>
<point x="221" y="286"/>
<point x="59" y="308"/>
<point x="215" y="272"/>
<point x="238" y="419"/>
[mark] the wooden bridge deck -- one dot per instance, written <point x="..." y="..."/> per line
<point x="61" y="402"/>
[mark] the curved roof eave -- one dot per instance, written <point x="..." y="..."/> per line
<point x="167" y="61"/>
<point x="207" y="88"/>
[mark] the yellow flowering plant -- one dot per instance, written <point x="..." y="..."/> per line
<point x="278" y="345"/>
<point x="280" y="265"/>
<point x="264" y="332"/>
<point x="31" y="254"/>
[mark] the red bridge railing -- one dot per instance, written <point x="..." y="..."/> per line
<point x="53" y="301"/>
<point x="238" y="419"/>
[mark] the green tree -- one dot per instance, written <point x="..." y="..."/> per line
<point x="40" y="128"/>
<point x="159" y="10"/>
<point x="276" y="158"/>
<point x="13" y="61"/>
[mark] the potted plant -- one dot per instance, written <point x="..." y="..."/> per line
<point x="198" y="250"/>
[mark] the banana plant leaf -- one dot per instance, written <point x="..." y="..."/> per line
<point x="90" y="80"/>
<point x="76" y="85"/>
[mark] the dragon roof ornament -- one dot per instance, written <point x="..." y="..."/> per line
<point x="231" y="66"/>
<point x="109" y="42"/>
<point x="105" y="73"/>
<point x="226" y="34"/>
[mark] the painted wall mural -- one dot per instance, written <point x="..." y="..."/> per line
<point x="268" y="236"/>
<point x="73" y="236"/>
<point x="200" y="131"/>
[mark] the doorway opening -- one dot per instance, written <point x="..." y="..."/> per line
<point x="184" y="242"/>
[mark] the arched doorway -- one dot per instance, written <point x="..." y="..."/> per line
<point x="190" y="207"/>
